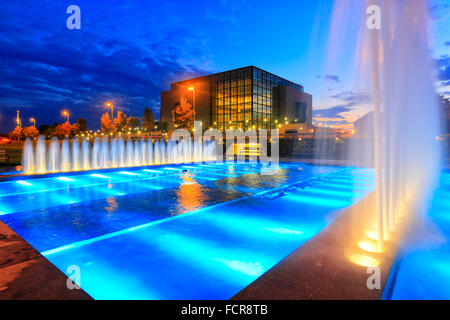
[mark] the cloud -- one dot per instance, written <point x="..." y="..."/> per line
<point x="46" y="68"/>
<point x="439" y="10"/>
<point x="333" y="112"/>
<point x="352" y="98"/>
<point x="334" y="78"/>
<point x="443" y="65"/>
<point x="447" y="43"/>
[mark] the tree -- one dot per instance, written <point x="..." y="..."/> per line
<point x="183" y="115"/>
<point x="148" y="120"/>
<point x="120" y="122"/>
<point x="132" y="123"/>
<point x="16" y="134"/>
<point x="64" y="130"/>
<point x="30" y="132"/>
<point x="106" y="123"/>
<point x="81" y="125"/>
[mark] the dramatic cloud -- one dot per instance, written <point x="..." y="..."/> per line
<point x="333" y="112"/>
<point x="443" y="65"/>
<point x="334" y="78"/>
<point x="352" y="98"/>
<point x="46" y="68"/>
<point x="439" y="9"/>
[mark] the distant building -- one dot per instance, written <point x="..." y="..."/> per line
<point x="364" y="126"/>
<point x="243" y="98"/>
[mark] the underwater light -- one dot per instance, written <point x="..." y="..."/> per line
<point x="284" y="231"/>
<point x="368" y="246"/>
<point x="374" y="235"/>
<point x="65" y="179"/>
<point x="129" y="173"/>
<point x="154" y="171"/>
<point x="364" y="261"/>
<point x="172" y="169"/>
<point x="24" y="183"/>
<point x="96" y="175"/>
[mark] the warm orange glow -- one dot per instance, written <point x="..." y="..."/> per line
<point x="364" y="261"/>
<point x="190" y="194"/>
<point x="109" y="104"/>
<point x="368" y="246"/>
<point x="372" y="235"/>
<point x="191" y="88"/>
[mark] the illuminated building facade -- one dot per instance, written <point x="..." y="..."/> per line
<point x="243" y="98"/>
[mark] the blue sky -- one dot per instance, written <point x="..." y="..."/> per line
<point x="130" y="51"/>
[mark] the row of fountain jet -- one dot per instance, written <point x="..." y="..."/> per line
<point x="82" y="155"/>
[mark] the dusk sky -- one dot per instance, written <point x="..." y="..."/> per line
<point x="129" y="51"/>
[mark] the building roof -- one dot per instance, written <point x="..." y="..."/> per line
<point x="223" y="72"/>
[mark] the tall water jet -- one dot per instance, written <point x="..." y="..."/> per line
<point x="169" y="146"/>
<point x="150" y="152"/>
<point x="143" y="152"/>
<point x="104" y="154"/>
<point x="95" y="154"/>
<point x="114" y="153"/>
<point x="157" y="153"/>
<point x="129" y="153"/>
<point x="53" y="163"/>
<point x="65" y="163"/>
<point x="40" y="155"/>
<point x="163" y="151"/>
<point x="85" y="155"/>
<point x="28" y="157"/>
<point x="137" y="154"/>
<point x="121" y="150"/>
<point x="186" y="151"/>
<point x="394" y="63"/>
<point x="75" y="154"/>
<point x="198" y="151"/>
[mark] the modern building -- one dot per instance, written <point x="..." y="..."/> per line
<point x="364" y="126"/>
<point x="243" y="98"/>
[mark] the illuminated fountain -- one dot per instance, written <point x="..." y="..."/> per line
<point x="101" y="154"/>
<point x="395" y="66"/>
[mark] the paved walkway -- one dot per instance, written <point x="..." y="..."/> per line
<point x="27" y="275"/>
<point x="321" y="270"/>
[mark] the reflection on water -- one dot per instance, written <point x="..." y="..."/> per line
<point x="190" y="195"/>
<point x="112" y="205"/>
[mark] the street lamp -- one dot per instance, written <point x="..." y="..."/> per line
<point x="66" y="114"/>
<point x="34" y="121"/>
<point x="193" y="95"/>
<point x="110" y="105"/>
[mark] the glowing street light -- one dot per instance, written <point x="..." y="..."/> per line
<point x="66" y="114"/>
<point x="34" y="121"/>
<point x="111" y="106"/>
<point x="193" y="98"/>
<point x="18" y="121"/>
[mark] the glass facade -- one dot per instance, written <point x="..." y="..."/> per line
<point x="244" y="98"/>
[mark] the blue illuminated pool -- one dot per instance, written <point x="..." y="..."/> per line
<point x="177" y="232"/>
<point x="423" y="269"/>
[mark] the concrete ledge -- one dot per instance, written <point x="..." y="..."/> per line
<point x="26" y="275"/>
<point x="321" y="270"/>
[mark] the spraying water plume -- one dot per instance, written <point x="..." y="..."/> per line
<point x="395" y="65"/>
